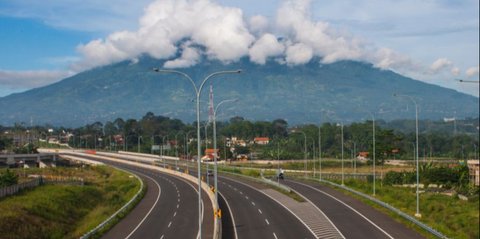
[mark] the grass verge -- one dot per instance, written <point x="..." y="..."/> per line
<point x="256" y="174"/>
<point x="451" y="216"/>
<point x="66" y="211"/>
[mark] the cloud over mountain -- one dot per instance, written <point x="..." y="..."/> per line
<point x="184" y="32"/>
<point x="224" y="34"/>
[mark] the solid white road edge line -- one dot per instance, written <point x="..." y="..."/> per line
<point x="351" y="208"/>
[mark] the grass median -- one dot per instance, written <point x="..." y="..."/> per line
<point x="66" y="211"/>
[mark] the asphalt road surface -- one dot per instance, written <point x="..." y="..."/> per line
<point x="169" y="209"/>
<point x="351" y="216"/>
<point x="256" y="215"/>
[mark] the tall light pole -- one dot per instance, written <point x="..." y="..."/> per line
<point x="374" y="151"/>
<point x="161" y="150"/>
<point x="176" y="148"/>
<point x="215" y="155"/>
<point x="176" y="143"/>
<point x="206" y="148"/>
<point x="187" y="143"/>
<point x="304" y="149"/>
<point x="417" y="214"/>
<point x="198" y="92"/>
<point x="320" y="151"/>
<point x="138" y="143"/>
<point x="278" y="161"/>
<point x="343" y="177"/>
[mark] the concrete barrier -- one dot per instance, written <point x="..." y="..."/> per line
<point x="204" y="186"/>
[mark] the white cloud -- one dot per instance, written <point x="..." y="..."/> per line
<point x="298" y="54"/>
<point x="386" y="58"/>
<point x="185" y="31"/>
<point x="190" y="56"/>
<point x="455" y="71"/>
<point x="440" y="64"/>
<point x="30" y="79"/>
<point x="258" y="24"/>
<point x="221" y="30"/>
<point x="293" y="19"/>
<point x="472" y="71"/>
<point x="266" y="46"/>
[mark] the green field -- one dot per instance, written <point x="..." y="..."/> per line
<point x="66" y="211"/>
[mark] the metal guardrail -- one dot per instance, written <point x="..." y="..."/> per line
<point x="383" y="204"/>
<point x="123" y="208"/>
<point x="390" y="207"/>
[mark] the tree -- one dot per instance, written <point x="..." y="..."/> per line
<point x="384" y="144"/>
<point x="280" y="127"/>
<point x="8" y="178"/>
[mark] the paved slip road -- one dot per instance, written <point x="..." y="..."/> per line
<point x="352" y="217"/>
<point x="169" y="208"/>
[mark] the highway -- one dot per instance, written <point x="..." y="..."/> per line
<point x="168" y="209"/>
<point x="255" y="215"/>
<point x="352" y="217"/>
<point x="250" y="210"/>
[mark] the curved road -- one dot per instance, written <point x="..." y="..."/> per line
<point x="168" y="209"/>
<point x="255" y="215"/>
<point x="352" y="217"/>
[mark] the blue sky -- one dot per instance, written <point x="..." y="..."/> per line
<point x="435" y="41"/>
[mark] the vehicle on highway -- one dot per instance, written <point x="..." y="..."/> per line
<point x="280" y="174"/>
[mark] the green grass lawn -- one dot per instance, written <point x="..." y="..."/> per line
<point x="66" y="211"/>
<point x="451" y="216"/>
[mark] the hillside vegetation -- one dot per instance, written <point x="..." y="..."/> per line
<point x="66" y="211"/>
<point x="342" y="91"/>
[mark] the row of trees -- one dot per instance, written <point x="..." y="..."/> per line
<point x="140" y="135"/>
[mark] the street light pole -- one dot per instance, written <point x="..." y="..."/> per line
<point x="417" y="214"/>
<point x="187" y="143"/>
<point x="320" y="151"/>
<point x="342" y="156"/>
<point x="138" y="143"/>
<point x="304" y="150"/>
<point x="198" y="92"/>
<point x="374" y="151"/>
<point x="215" y="155"/>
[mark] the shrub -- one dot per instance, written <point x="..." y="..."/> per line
<point x="8" y="178"/>
<point x="393" y="177"/>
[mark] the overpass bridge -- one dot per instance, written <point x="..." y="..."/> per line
<point x="41" y="159"/>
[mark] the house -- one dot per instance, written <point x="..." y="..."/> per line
<point x="234" y="141"/>
<point x="474" y="172"/>
<point x="242" y="157"/>
<point x="261" y="140"/>
<point x="209" y="154"/>
<point x="362" y="155"/>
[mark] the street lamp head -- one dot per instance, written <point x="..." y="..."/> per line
<point x="239" y="71"/>
<point x="156" y="69"/>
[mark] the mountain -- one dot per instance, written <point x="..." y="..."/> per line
<point x="342" y="91"/>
